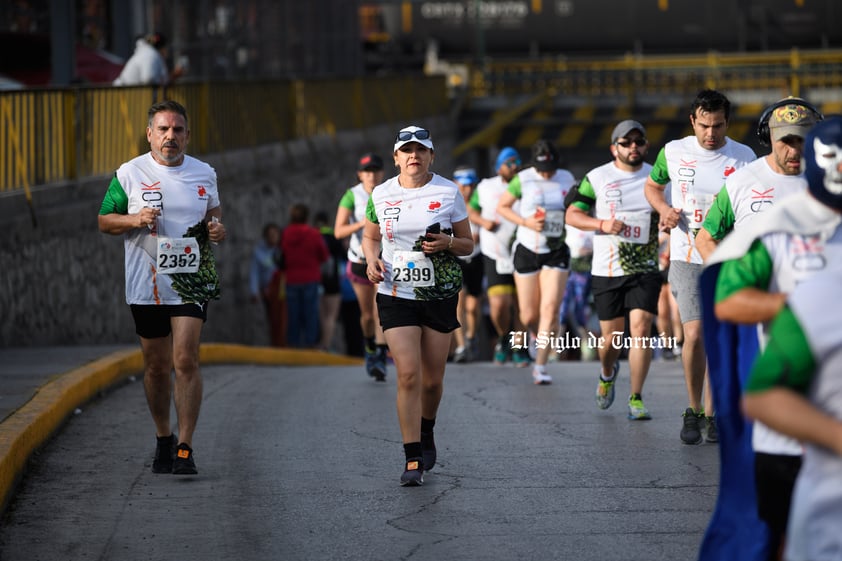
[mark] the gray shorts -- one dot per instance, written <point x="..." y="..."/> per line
<point x="684" y="285"/>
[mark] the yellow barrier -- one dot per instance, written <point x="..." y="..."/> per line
<point x="630" y="75"/>
<point x="50" y="136"/>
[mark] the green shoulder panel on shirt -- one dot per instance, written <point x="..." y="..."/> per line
<point x="754" y="269"/>
<point x="370" y="213"/>
<point x="585" y="197"/>
<point x="116" y="201"/>
<point x="474" y="202"/>
<point x="514" y="187"/>
<point x="787" y="359"/>
<point x="347" y="200"/>
<point x="660" y="173"/>
<point x="720" y="218"/>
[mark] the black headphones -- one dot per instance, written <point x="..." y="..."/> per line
<point x="763" y="124"/>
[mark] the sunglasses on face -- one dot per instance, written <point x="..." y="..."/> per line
<point x="635" y="141"/>
<point x="513" y="163"/>
<point x="420" y="134"/>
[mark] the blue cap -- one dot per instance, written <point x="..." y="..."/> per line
<point x="505" y="154"/>
<point x="465" y="176"/>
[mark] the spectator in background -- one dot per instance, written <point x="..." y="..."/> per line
<point x="148" y="64"/>
<point x="470" y="297"/>
<point x="349" y="314"/>
<point x="304" y="251"/>
<point x="263" y="285"/>
<point x="331" y="295"/>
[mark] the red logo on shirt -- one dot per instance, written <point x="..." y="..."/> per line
<point x="434" y="205"/>
<point x="729" y="170"/>
<point x="202" y="191"/>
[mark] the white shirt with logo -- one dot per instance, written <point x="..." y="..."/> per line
<point x="403" y="216"/>
<point x="536" y="191"/>
<point x="619" y="194"/>
<point x="696" y="176"/>
<point x="497" y="244"/>
<point x="756" y="187"/>
<point x="355" y="199"/>
<point x="184" y="194"/>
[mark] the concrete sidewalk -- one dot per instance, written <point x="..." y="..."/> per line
<point x="41" y="386"/>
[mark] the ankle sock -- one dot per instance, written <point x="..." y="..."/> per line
<point x="427" y="425"/>
<point x="412" y="450"/>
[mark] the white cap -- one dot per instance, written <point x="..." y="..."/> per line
<point x="412" y="130"/>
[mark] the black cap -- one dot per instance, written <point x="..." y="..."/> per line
<point x="544" y="156"/>
<point x="370" y="162"/>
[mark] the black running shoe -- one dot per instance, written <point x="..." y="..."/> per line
<point x="164" y="454"/>
<point x="691" y="432"/>
<point x="712" y="434"/>
<point x="183" y="463"/>
<point x="428" y="450"/>
<point x="413" y="475"/>
<point x="378" y="364"/>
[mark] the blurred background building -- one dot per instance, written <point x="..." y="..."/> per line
<point x="267" y="39"/>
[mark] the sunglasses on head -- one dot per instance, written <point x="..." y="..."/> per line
<point x="420" y="134"/>
<point x="635" y="141"/>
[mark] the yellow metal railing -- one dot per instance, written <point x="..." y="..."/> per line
<point x="52" y="136"/>
<point x="789" y="72"/>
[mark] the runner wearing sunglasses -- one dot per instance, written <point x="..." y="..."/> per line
<point x="626" y="277"/>
<point x="416" y="226"/>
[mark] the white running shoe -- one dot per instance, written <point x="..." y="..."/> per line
<point x="541" y="378"/>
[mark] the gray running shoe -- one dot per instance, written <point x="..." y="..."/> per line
<point x="691" y="432"/>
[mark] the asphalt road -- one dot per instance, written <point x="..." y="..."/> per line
<point x="303" y="463"/>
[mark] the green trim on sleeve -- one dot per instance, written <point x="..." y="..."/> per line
<point x="116" y="201"/>
<point x="347" y="200"/>
<point x="515" y="187"/>
<point x="754" y="269"/>
<point x="582" y="196"/>
<point x="720" y="218"/>
<point x="787" y="359"/>
<point x="660" y="173"/>
<point x="370" y="213"/>
<point x="474" y="202"/>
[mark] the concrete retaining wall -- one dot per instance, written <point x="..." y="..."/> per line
<point x="62" y="281"/>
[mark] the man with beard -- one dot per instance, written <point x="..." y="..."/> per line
<point x="625" y="274"/>
<point x="166" y="205"/>
<point x="756" y="187"/>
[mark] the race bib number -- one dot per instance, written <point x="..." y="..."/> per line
<point x="636" y="227"/>
<point x="696" y="208"/>
<point x="554" y="224"/>
<point x="412" y="268"/>
<point x="178" y="255"/>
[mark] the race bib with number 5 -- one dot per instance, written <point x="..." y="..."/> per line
<point x="178" y="255"/>
<point x="695" y="210"/>
<point x="412" y="268"/>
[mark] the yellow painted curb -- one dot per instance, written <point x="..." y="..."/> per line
<point x="29" y="427"/>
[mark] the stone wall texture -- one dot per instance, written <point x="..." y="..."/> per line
<point x="62" y="281"/>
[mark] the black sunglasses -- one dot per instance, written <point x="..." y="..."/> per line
<point x="420" y="134"/>
<point x="635" y="141"/>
